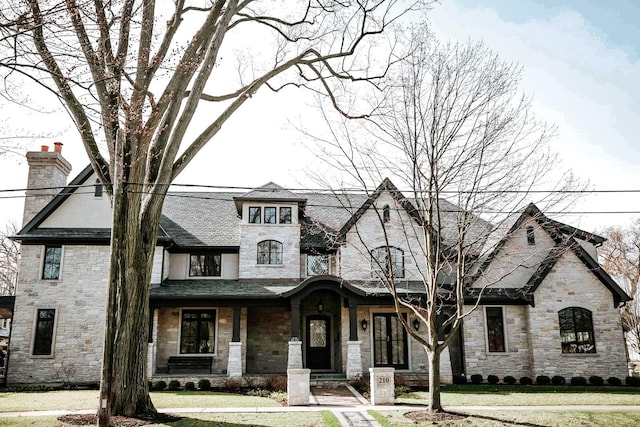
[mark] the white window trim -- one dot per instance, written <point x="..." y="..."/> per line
<point x="53" y="337"/>
<point x="42" y="260"/>
<point x="215" y="331"/>
<point x="505" y="331"/>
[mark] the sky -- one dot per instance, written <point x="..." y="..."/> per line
<point x="581" y="61"/>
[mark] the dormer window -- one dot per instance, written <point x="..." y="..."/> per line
<point x="269" y="215"/>
<point x="531" y="238"/>
<point x="255" y="215"/>
<point x="285" y="215"/>
<point x="97" y="189"/>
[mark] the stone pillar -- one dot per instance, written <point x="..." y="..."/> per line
<point x="151" y="345"/>
<point x="354" y="359"/>
<point x="234" y="364"/>
<point x="298" y="386"/>
<point x="294" y="360"/>
<point x="382" y="386"/>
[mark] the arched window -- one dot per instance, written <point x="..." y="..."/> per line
<point x="387" y="261"/>
<point x="269" y="252"/>
<point x="576" y="330"/>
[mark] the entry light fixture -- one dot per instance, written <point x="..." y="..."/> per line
<point x="320" y="306"/>
<point x="364" y="324"/>
<point x="416" y="324"/>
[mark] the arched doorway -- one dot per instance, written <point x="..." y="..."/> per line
<point x="321" y="316"/>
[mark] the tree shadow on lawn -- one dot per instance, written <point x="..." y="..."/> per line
<point x="160" y="418"/>
<point x="429" y="417"/>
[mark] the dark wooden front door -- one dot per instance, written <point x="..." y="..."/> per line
<point x="318" y="346"/>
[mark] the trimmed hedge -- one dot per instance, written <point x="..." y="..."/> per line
<point x="476" y="379"/>
<point x="632" y="381"/>
<point x="543" y="380"/>
<point x="558" y="380"/>
<point x="159" y="385"/>
<point x="509" y="380"/>
<point x="493" y="379"/>
<point x="596" y="380"/>
<point x="174" y="385"/>
<point x="189" y="386"/>
<point x="614" y="381"/>
<point x="459" y="379"/>
<point x="204" y="384"/>
<point x="578" y="381"/>
<point x="526" y="381"/>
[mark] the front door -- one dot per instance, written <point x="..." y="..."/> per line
<point x="318" y="346"/>
<point x="390" y="341"/>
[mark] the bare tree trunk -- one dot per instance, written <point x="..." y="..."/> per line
<point x="435" y="404"/>
<point x="124" y="389"/>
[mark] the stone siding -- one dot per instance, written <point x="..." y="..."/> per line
<point x="268" y="334"/>
<point x="288" y="235"/>
<point x="169" y="338"/>
<point x="79" y="298"/>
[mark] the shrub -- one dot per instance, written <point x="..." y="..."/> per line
<point x="632" y="381"/>
<point x="189" y="386"/>
<point x="578" y="381"/>
<point x="543" y="380"/>
<point x="259" y="392"/>
<point x="401" y="389"/>
<point x="596" y="380"/>
<point x="493" y="379"/>
<point x="277" y="383"/>
<point x="174" y="385"/>
<point x="360" y="384"/>
<point x="204" y="384"/>
<point x="476" y="379"/>
<point x="459" y="379"/>
<point x="509" y="380"/>
<point x="159" y="385"/>
<point x="526" y="381"/>
<point x="558" y="380"/>
<point x="614" y="381"/>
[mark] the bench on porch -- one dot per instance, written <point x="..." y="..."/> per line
<point x="189" y="364"/>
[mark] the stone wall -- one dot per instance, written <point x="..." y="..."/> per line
<point x="287" y="234"/>
<point x="268" y="331"/>
<point x="79" y="298"/>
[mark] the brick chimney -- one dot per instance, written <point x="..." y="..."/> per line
<point x="48" y="173"/>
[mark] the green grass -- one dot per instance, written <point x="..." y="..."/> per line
<point x="88" y="399"/>
<point x="517" y="395"/>
<point x="538" y="418"/>
<point x="330" y="419"/>
<point x="289" y="419"/>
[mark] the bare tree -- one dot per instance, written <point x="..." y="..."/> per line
<point x="132" y="75"/>
<point x="620" y="256"/>
<point x="465" y="151"/>
<point x="9" y="258"/>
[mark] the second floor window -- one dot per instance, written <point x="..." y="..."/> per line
<point x="255" y="215"/>
<point x="317" y="264"/>
<point x="387" y="261"/>
<point x="52" y="261"/>
<point x="204" y="265"/>
<point x="285" y="215"/>
<point x="269" y="252"/>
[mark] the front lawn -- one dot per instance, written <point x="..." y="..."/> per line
<point x="533" y="395"/>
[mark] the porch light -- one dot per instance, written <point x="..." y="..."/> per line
<point x="416" y="324"/>
<point x="364" y="324"/>
<point x="320" y="306"/>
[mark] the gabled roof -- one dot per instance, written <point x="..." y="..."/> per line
<point x="386" y="185"/>
<point x="564" y="237"/>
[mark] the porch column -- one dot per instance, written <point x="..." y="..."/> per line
<point x="354" y="346"/>
<point x="294" y="358"/>
<point x="151" y="343"/>
<point x="234" y="364"/>
<point x="295" y="320"/>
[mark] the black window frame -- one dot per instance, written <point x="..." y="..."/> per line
<point x="200" y="321"/>
<point x="204" y="266"/>
<point x="52" y="259"/>
<point x="272" y="216"/>
<point x="44" y="332"/>
<point x="97" y="189"/>
<point x="271" y="251"/>
<point x="496" y="332"/>
<point x="255" y="215"/>
<point x="380" y="264"/>
<point x="531" y="237"/>
<point x="576" y="331"/>
<point x="390" y="341"/>
<point x="386" y="213"/>
<point x="285" y="218"/>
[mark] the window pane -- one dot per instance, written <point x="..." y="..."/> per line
<point x="205" y="265"/>
<point x="269" y="252"/>
<point x="43" y="339"/>
<point x="576" y="330"/>
<point x="285" y="215"/>
<point x="197" y="334"/>
<point x="317" y="333"/>
<point x="317" y="264"/>
<point x="269" y="215"/>
<point x="385" y="261"/>
<point x="51" y="266"/>
<point x="255" y="214"/>
<point x="495" y="329"/>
